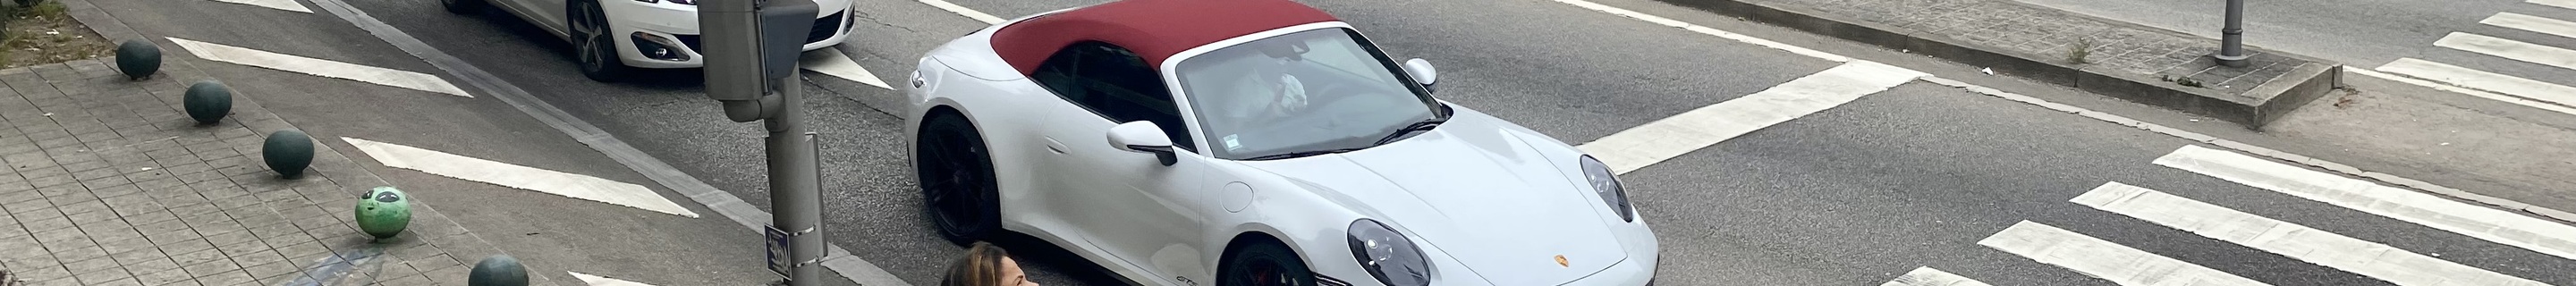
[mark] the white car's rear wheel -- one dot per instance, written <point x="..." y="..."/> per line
<point x="593" y="43"/>
<point x="957" y="183"/>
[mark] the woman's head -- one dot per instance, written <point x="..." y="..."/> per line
<point x="986" y="265"/>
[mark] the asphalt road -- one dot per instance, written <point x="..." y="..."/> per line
<point x="1906" y="178"/>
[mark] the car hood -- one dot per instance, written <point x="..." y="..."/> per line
<point x="1478" y="193"/>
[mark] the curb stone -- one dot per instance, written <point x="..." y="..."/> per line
<point x="2252" y="108"/>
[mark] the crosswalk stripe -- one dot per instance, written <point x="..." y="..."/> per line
<point x="2103" y="259"/>
<point x="1926" y="276"/>
<point x="288" y="5"/>
<point x="2517" y="50"/>
<point x="2287" y="239"/>
<point x="830" y="61"/>
<point x="1705" y="30"/>
<point x="2516" y="100"/>
<point x="1664" y="139"/>
<point x="979" y="16"/>
<point x="319" y="67"/>
<point x="2489" y="224"/>
<point x="2482" y="80"/>
<point x="595" y="280"/>
<point x="2569" y="4"/>
<point x="2532" y="23"/>
<point x="521" y="177"/>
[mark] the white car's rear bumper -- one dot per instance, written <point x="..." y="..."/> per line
<point x="675" y="26"/>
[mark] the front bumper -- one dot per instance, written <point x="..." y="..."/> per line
<point x="678" y="25"/>
<point x="1637" y="269"/>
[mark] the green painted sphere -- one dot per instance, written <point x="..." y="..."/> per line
<point x="288" y="152"/>
<point x="384" y="212"/>
<point x="208" y="101"/>
<point x="138" y="58"/>
<point x="498" y="270"/>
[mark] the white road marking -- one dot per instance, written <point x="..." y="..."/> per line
<point x="2532" y="23"/>
<point x="2278" y="154"/>
<point x="830" y="61"/>
<point x="2152" y="127"/>
<point x="1657" y="141"/>
<point x="288" y="5"/>
<point x="595" y="280"/>
<point x="515" y="176"/>
<point x="319" y="67"/>
<point x="2500" y="47"/>
<point x="2481" y="91"/>
<point x="2103" y="259"/>
<point x="2569" y="4"/>
<point x="2287" y="239"/>
<point x="1926" y="276"/>
<point x="963" y="11"/>
<point x="2560" y="95"/>
<point x="2474" y="221"/>
<point x="1702" y="30"/>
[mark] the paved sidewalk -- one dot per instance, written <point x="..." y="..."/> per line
<point x="2033" y="30"/>
<point x="110" y="183"/>
<point x="2138" y="63"/>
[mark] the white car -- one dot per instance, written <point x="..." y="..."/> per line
<point x="657" y="34"/>
<point x="1251" y="142"/>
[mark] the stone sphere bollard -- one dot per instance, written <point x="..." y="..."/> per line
<point x="208" y="101"/>
<point x="288" y="152"/>
<point x="384" y="212"/>
<point x="497" y="270"/>
<point x="138" y="58"/>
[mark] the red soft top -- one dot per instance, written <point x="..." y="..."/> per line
<point x="1153" y="29"/>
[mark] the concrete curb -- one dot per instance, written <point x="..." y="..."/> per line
<point x="2253" y="108"/>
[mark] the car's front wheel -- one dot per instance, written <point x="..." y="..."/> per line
<point x="462" y="7"/>
<point x="593" y="43"/>
<point x="1264" y="264"/>
<point x="957" y="183"/>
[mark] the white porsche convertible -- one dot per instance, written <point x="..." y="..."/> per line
<point x="1251" y="142"/>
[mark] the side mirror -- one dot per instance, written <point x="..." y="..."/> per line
<point x="1140" y="137"/>
<point x="1143" y="137"/>
<point x="1422" y="72"/>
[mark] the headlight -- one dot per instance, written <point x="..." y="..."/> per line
<point x="1607" y="184"/>
<point x="1388" y="255"/>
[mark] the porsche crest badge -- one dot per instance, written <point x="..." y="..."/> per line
<point x="1560" y="262"/>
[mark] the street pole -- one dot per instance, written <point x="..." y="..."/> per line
<point x="794" y="182"/>
<point x="753" y="72"/>
<point x="2231" y="46"/>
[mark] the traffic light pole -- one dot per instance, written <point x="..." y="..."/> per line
<point x="753" y="72"/>
<point x="2231" y="42"/>
<point x="795" y="183"/>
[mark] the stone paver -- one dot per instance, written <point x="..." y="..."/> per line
<point x="2052" y="34"/>
<point x="108" y="182"/>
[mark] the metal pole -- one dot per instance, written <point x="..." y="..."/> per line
<point x="794" y="182"/>
<point x="2231" y="46"/>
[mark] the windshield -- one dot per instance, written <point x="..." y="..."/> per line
<point x="1321" y="89"/>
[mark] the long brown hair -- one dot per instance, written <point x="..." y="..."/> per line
<point x="982" y="266"/>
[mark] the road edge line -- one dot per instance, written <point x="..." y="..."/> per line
<point x="848" y="267"/>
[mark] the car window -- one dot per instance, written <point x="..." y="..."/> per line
<point x="1322" y="89"/>
<point x="1116" y="85"/>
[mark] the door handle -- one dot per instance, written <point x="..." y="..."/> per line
<point x="1052" y="145"/>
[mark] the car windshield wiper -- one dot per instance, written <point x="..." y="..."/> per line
<point x="1301" y="154"/>
<point x="1417" y="126"/>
